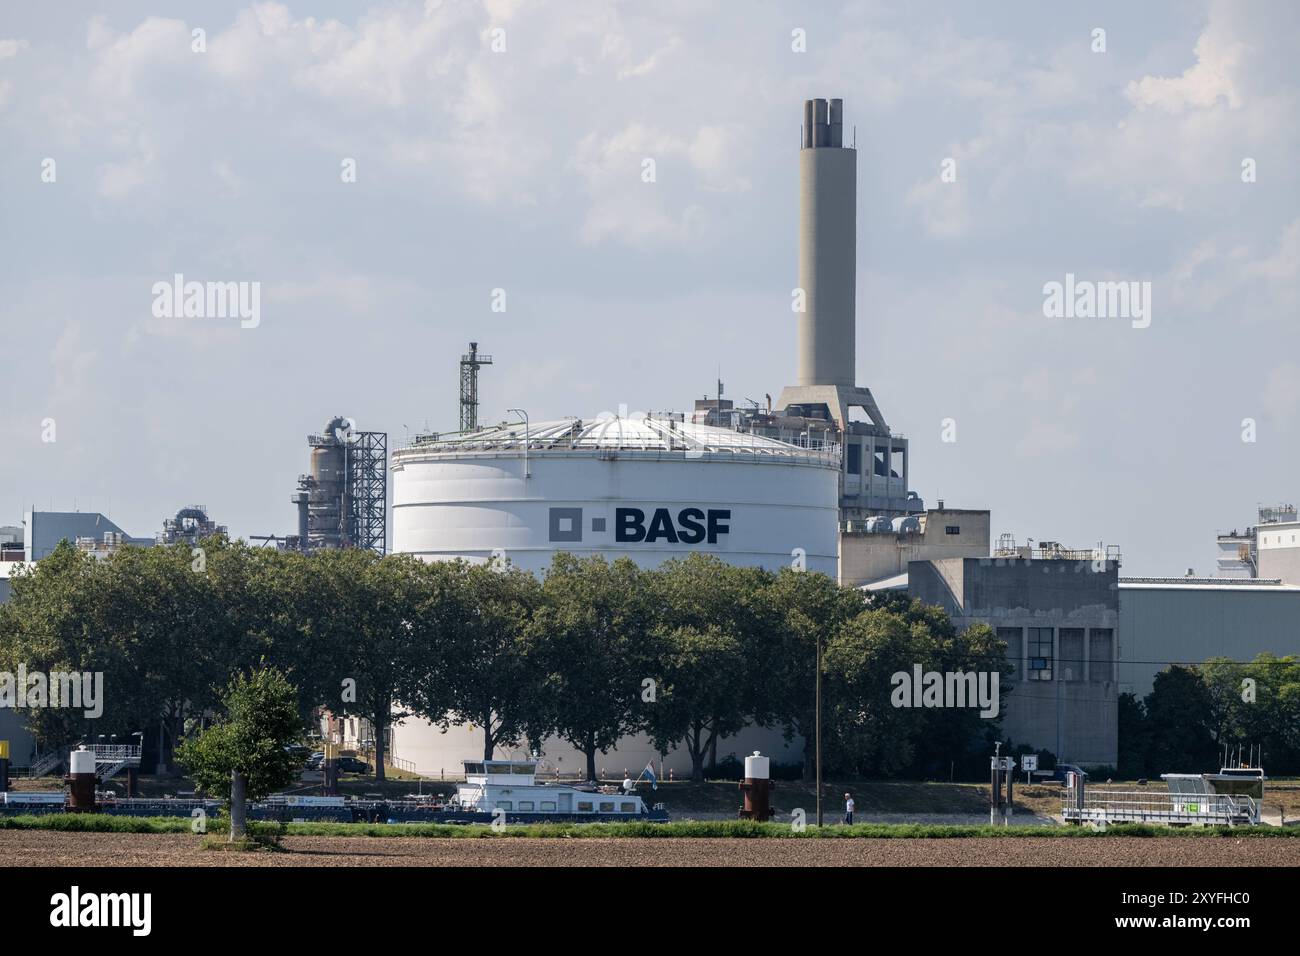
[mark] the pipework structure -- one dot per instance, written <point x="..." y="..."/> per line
<point x="470" y="363"/>
<point x="343" y="502"/>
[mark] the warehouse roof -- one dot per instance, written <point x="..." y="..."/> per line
<point x="1207" y="584"/>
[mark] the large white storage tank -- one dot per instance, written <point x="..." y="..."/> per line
<point x="646" y="487"/>
<point x="649" y="488"/>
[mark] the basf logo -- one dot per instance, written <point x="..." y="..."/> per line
<point x="635" y="526"/>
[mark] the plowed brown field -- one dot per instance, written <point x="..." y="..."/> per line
<point x="20" y="848"/>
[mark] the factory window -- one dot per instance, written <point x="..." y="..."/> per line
<point x="1040" y="653"/>
<point x="896" y="462"/>
<point x="1101" y="654"/>
<point x="1071" y="662"/>
<point x="952" y="529"/>
<point x="853" y="459"/>
<point x="548" y="805"/>
<point x="584" y="806"/>
<point x="525" y="805"/>
<point x="627" y="808"/>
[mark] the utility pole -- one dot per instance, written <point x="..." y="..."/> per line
<point x="819" y="728"/>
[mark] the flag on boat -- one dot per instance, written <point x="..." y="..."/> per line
<point x="650" y="772"/>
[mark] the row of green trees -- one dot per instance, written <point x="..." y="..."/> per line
<point x="1193" y="713"/>
<point x="590" y="652"/>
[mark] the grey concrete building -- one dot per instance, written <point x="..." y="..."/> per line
<point x="873" y="552"/>
<point x="43" y="530"/>
<point x="1165" y="621"/>
<point x="1058" y="612"/>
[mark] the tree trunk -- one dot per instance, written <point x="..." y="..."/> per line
<point x="695" y="744"/>
<point x="488" y="746"/>
<point x="697" y="765"/>
<point x="379" y="742"/>
<point x="713" y="753"/>
<point x="590" y="751"/>
<point x="238" y="806"/>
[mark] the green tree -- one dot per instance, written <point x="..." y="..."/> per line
<point x="242" y="756"/>
<point x="1134" y="731"/>
<point x="381" y="603"/>
<point x="151" y="620"/>
<point x="485" y="673"/>
<point x="589" y="632"/>
<point x="711" y="615"/>
<point x="697" y="701"/>
<point x="863" y="733"/>
<point x="1180" y="710"/>
<point x="56" y="620"/>
<point x="1256" y="706"/>
<point x="799" y="608"/>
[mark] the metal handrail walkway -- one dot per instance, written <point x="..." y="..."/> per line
<point x="1180" y="809"/>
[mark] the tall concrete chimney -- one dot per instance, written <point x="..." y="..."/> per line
<point x="828" y="196"/>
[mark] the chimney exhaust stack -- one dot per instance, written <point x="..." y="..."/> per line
<point x="827" y="247"/>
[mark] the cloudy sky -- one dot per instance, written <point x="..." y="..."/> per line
<point x="500" y="145"/>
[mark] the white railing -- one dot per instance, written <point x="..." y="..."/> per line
<point x="45" y="763"/>
<point x="1127" y="806"/>
<point x="111" y="753"/>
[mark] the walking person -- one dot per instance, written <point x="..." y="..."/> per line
<point x="848" y="809"/>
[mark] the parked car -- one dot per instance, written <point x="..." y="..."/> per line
<point x="1058" y="774"/>
<point x="315" y="761"/>
<point x="353" y="765"/>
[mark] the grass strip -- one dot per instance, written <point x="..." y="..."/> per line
<point x="740" y="829"/>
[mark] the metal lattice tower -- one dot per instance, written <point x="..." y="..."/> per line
<point x="368" y="491"/>
<point x="470" y="363"/>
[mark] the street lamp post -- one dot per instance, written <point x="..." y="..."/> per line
<point x="819" y="728"/>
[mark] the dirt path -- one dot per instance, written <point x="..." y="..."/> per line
<point x="20" y="848"/>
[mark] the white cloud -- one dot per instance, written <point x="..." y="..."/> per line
<point x="10" y="48"/>
<point x="1200" y="86"/>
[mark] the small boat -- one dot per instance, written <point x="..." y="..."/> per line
<point x="504" y="791"/>
<point x="507" y="791"/>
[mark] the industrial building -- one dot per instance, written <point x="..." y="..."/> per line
<point x="1269" y="549"/>
<point x="768" y="487"/>
<point x="875" y="553"/>
<point x="648" y="488"/>
<point x="190" y="526"/>
<point x="1165" y="621"/>
<point x="817" y="479"/>
<point x="1059" y="613"/>
<point x="343" y="501"/>
<point x="1250" y="607"/>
